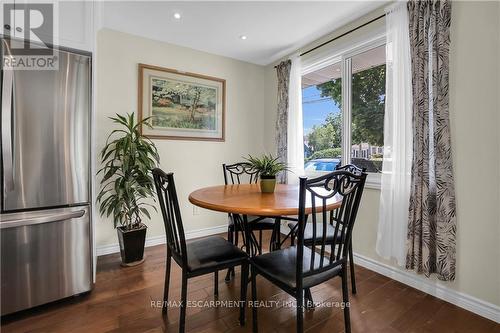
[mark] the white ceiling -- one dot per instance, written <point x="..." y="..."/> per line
<point x="274" y="29"/>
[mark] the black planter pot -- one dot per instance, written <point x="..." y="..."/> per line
<point x="132" y="245"/>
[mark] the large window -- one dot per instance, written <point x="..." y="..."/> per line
<point x="343" y="111"/>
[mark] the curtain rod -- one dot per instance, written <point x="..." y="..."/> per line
<point x="342" y="35"/>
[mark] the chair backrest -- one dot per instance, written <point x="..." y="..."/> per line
<point x="351" y="168"/>
<point x="318" y="191"/>
<point x="238" y="173"/>
<point x="169" y="204"/>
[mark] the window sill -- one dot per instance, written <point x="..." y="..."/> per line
<point x="373" y="185"/>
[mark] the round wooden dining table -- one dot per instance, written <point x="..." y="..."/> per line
<point x="243" y="200"/>
<point x="247" y="199"/>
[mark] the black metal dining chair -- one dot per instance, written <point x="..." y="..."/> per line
<point x="351" y="168"/>
<point x="195" y="257"/>
<point x="236" y="174"/>
<point x="244" y="173"/>
<point x="308" y="232"/>
<point x="301" y="267"/>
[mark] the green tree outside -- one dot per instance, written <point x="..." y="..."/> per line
<point x="328" y="134"/>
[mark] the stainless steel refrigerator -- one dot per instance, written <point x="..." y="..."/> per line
<point x="45" y="225"/>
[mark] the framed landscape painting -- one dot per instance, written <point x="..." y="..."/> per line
<point x="183" y="106"/>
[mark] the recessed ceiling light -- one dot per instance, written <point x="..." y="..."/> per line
<point x="243" y="37"/>
<point x="177" y="16"/>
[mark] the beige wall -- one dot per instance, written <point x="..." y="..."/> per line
<point x="474" y="116"/>
<point x="194" y="163"/>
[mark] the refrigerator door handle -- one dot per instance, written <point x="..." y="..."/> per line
<point x="7" y="117"/>
<point x="21" y="222"/>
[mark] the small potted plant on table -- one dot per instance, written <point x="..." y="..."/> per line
<point x="127" y="184"/>
<point x="267" y="167"/>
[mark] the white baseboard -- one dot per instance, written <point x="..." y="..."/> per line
<point x="470" y="303"/>
<point x="157" y="240"/>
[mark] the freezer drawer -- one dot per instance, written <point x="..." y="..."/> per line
<point x="45" y="256"/>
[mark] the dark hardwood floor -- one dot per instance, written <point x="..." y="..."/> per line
<point x="122" y="297"/>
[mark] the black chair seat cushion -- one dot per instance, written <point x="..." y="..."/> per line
<point x="280" y="266"/>
<point x="309" y="231"/>
<point x="210" y="252"/>
<point x="264" y="224"/>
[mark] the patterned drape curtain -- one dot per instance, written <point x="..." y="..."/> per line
<point x="432" y="219"/>
<point x="283" y="72"/>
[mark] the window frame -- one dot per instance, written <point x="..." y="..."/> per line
<point x="343" y="54"/>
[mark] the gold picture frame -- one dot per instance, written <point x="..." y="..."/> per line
<point x="183" y="105"/>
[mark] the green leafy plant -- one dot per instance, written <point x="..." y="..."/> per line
<point x="128" y="158"/>
<point x="266" y="165"/>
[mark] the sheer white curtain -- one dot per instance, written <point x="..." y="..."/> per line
<point x="295" y="138"/>
<point x="396" y="170"/>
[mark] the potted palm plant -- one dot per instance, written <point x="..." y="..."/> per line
<point x="267" y="168"/>
<point x="127" y="184"/>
